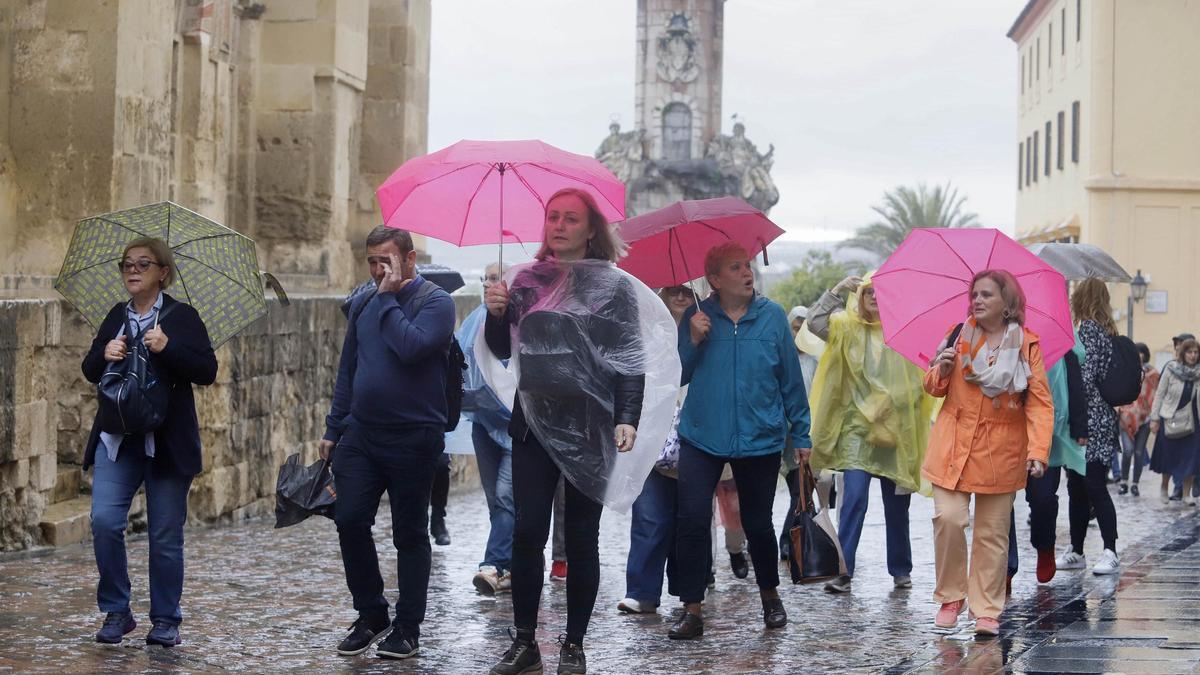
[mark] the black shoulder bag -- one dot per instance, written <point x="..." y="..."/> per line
<point x="132" y="396"/>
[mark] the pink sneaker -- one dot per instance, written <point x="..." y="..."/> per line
<point x="947" y="616"/>
<point x="986" y="625"/>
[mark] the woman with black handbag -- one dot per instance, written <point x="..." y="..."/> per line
<point x="1174" y="419"/>
<point x="156" y="444"/>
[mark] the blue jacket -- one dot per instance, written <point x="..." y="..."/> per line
<point x="392" y="372"/>
<point x="747" y="389"/>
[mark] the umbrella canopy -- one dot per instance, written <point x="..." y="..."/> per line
<point x="216" y="269"/>
<point x="923" y="290"/>
<point x="447" y="279"/>
<point x="667" y="246"/>
<point x="1081" y="261"/>
<point x="491" y="192"/>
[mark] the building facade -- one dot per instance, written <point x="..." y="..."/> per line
<point x="1108" y="144"/>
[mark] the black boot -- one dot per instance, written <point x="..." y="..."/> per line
<point x="437" y="528"/>
<point x="522" y="658"/>
<point x="774" y="615"/>
<point x="571" y="660"/>
<point x="740" y="565"/>
<point x="687" y="627"/>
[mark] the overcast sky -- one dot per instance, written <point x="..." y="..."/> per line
<point x="858" y="96"/>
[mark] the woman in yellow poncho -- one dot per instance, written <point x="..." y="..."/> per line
<point x="870" y="419"/>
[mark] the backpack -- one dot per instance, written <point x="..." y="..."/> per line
<point x="132" y="396"/>
<point x="456" y="361"/>
<point x="1122" y="384"/>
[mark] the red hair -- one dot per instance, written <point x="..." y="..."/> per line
<point x="1010" y="292"/>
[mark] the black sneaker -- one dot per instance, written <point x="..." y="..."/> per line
<point x="1123" y="489"/>
<point x="687" y="627"/>
<point x="1133" y="489"/>
<point x="522" y="658"/>
<point x="116" y="626"/>
<point x="164" y="634"/>
<point x="437" y="528"/>
<point x="363" y="633"/>
<point x="739" y="564"/>
<point x="774" y="615"/>
<point x="571" y="660"/>
<point x="398" y="645"/>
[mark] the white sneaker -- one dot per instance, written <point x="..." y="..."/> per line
<point x="631" y="606"/>
<point x="1108" y="563"/>
<point x="487" y="580"/>
<point x="1071" y="561"/>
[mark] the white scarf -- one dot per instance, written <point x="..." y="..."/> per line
<point x="996" y="372"/>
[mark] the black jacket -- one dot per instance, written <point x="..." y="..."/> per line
<point x="187" y="359"/>
<point x="1076" y="397"/>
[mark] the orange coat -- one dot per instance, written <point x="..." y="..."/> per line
<point x="980" y="446"/>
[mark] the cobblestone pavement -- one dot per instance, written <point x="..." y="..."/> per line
<point x="259" y="600"/>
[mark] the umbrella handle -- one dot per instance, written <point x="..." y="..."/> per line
<point x="500" y="258"/>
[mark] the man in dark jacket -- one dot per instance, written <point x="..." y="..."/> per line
<point x="387" y="422"/>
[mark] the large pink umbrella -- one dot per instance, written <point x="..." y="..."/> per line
<point x="923" y="290"/>
<point x="491" y="192"/>
<point x="667" y="246"/>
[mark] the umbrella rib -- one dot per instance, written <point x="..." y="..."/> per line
<point x="942" y="275"/>
<point x="462" y="231"/>
<point x="992" y="251"/>
<point x="120" y="225"/>
<point x="954" y="251"/>
<point x="426" y="182"/>
<point x="910" y="321"/>
<point x="619" y="209"/>
<point x="527" y="185"/>
<point x="201" y="262"/>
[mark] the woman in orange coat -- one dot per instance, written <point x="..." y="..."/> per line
<point x="994" y="428"/>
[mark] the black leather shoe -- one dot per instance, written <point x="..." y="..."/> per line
<point x="522" y="658"/>
<point x="774" y="616"/>
<point x="571" y="660"/>
<point x="437" y="528"/>
<point x="363" y="633"/>
<point x="741" y="566"/>
<point x="687" y="627"/>
<point x="398" y="645"/>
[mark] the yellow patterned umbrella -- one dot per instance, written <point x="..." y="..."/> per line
<point x="217" y="268"/>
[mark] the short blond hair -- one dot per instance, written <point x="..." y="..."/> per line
<point x="162" y="255"/>
<point x="730" y="250"/>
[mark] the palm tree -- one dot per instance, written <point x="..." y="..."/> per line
<point x="905" y="209"/>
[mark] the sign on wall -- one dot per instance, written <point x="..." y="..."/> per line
<point x="1156" y="302"/>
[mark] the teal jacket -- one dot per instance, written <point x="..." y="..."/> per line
<point x="746" y="388"/>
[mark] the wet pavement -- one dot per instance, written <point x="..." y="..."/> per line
<point x="260" y="600"/>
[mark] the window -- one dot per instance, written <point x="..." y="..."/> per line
<point x="1022" y="73"/>
<point x="1075" y="132"/>
<point x="1035" y="156"/>
<point x="1078" y="20"/>
<point x="1050" y="46"/>
<point x="1020" y="159"/>
<point x="1038" y="65"/>
<point x="1061" y="117"/>
<point x="1048" y="153"/>
<point x="1028" y="155"/>
<point x="1062" y="38"/>
<point x="677" y="132"/>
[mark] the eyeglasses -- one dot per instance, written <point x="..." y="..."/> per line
<point x="128" y="266"/>
<point x="678" y="290"/>
<point x="491" y="278"/>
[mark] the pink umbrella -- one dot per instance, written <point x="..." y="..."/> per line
<point x="668" y="245"/>
<point x="491" y="192"/>
<point x="923" y="290"/>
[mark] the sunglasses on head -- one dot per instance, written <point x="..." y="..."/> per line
<point x="128" y="266"/>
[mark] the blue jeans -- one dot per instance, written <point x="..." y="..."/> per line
<point x="495" y="473"/>
<point x="652" y="539"/>
<point x="113" y="487"/>
<point x="853" y="512"/>
<point x="366" y="463"/>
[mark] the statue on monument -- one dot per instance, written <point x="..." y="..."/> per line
<point x="738" y="158"/>
<point x="623" y="153"/>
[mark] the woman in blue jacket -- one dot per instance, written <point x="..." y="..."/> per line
<point x="746" y="396"/>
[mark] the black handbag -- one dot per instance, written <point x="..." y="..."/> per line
<point x="132" y="396"/>
<point x="816" y="554"/>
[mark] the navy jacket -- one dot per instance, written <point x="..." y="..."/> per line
<point x="392" y="371"/>
<point x="187" y="359"/>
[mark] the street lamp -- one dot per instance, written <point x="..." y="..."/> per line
<point x="1137" y="293"/>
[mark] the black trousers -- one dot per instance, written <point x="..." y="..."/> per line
<point x="1042" y="496"/>
<point x="367" y="463"/>
<point x="535" y="480"/>
<point x="439" y="495"/>
<point x="1090" y="493"/>
<point x="699" y="473"/>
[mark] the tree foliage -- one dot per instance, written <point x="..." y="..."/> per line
<point x="818" y="273"/>
<point x="905" y="209"/>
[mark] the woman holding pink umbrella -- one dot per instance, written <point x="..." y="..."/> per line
<point x="994" y="429"/>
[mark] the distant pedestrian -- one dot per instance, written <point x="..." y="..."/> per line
<point x="1177" y="397"/>
<point x="1135" y="425"/>
<point x="745" y="398"/>
<point x="165" y="460"/>
<point x="571" y="321"/>
<point x="1089" y="492"/>
<point x="870" y="420"/>
<point x="384" y="433"/>
<point x="489" y="419"/>
<point x="993" y="430"/>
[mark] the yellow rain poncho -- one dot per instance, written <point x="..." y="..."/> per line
<point x="869" y="410"/>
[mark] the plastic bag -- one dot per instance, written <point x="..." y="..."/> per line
<point x="869" y="408"/>
<point x="303" y="491"/>
<point x="577" y="326"/>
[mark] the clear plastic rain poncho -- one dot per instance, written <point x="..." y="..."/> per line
<point x="576" y="327"/>
<point x="869" y="408"/>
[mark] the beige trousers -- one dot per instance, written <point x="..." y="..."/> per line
<point x="983" y="587"/>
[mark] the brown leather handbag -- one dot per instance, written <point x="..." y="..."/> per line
<point x="816" y="553"/>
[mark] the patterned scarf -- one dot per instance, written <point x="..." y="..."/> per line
<point x="996" y="372"/>
<point x="1184" y="372"/>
